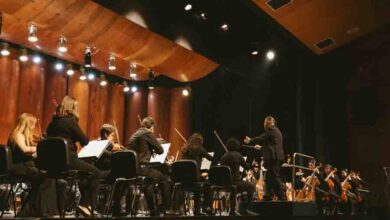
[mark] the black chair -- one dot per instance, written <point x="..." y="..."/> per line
<point x="184" y="175"/>
<point x="53" y="161"/>
<point x="220" y="178"/>
<point x="5" y="176"/>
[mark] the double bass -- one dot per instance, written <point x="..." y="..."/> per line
<point x="307" y="194"/>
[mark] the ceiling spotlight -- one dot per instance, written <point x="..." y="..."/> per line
<point x="91" y="76"/>
<point x="62" y="42"/>
<point x="133" y="70"/>
<point x="59" y="66"/>
<point x="126" y="87"/>
<point x="32" y="33"/>
<point x="88" y="57"/>
<point x="37" y="59"/>
<point x="188" y="7"/>
<point x="5" y="49"/>
<point x="270" y="55"/>
<point x="255" y="52"/>
<point x="225" y="27"/>
<point x="103" y="81"/>
<point x="134" y="89"/>
<point x="83" y="76"/>
<point x="23" y="55"/>
<point x="69" y="70"/>
<point x="151" y="79"/>
<point x="111" y="63"/>
<point x="186" y="92"/>
<point x="203" y="15"/>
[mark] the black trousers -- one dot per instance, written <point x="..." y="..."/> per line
<point x="274" y="184"/>
<point x="246" y="200"/>
<point x="88" y="185"/>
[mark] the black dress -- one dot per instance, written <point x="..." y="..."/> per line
<point x="68" y="128"/>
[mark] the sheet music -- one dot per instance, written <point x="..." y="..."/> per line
<point x="206" y="164"/>
<point x="93" y="149"/>
<point x="160" y="158"/>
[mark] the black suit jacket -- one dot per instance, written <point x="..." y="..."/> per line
<point x="145" y="144"/>
<point x="272" y="142"/>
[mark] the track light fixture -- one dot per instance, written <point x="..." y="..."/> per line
<point x="133" y="70"/>
<point x="103" y="80"/>
<point x="23" y="55"/>
<point x="186" y="91"/>
<point x="59" y="66"/>
<point x="83" y="75"/>
<point x="126" y="87"/>
<point x="151" y="83"/>
<point x="69" y="70"/>
<point x="88" y="57"/>
<point x="62" y="43"/>
<point x="5" y="49"/>
<point x="111" y="62"/>
<point x="37" y="59"/>
<point x="91" y="76"/>
<point x="32" y="33"/>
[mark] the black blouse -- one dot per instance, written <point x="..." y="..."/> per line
<point x="18" y="156"/>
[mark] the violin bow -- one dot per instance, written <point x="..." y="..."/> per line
<point x="139" y="119"/>
<point x="181" y="136"/>
<point x="220" y="141"/>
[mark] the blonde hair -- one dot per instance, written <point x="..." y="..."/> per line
<point x="68" y="107"/>
<point x="25" y="125"/>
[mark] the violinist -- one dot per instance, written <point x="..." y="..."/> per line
<point x="348" y="199"/>
<point x="359" y="188"/>
<point x="331" y="184"/>
<point x="234" y="160"/>
<point x="145" y="144"/>
<point x="107" y="132"/>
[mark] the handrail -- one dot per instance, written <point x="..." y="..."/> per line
<point x="294" y="166"/>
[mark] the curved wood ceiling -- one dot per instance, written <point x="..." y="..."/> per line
<point x="312" y="21"/>
<point x="85" y="23"/>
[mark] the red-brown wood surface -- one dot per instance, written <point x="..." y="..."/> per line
<point x="55" y="91"/>
<point x="85" y="23"/>
<point x="9" y="84"/>
<point x="97" y="108"/>
<point x="136" y="104"/>
<point x="180" y="119"/>
<point x="31" y="88"/>
<point x="116" y="108"/>
<point x="80" y="91"/>
<point x="158" y="108"/>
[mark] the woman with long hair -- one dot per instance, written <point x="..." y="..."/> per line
<point x="65" y="124"/>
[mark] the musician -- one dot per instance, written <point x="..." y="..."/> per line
<point x="65" y="125"/>
<point x="107" y="132"/>
<point x="272" y="141"/>
<point x="145" y="144"/>
<point x="348" y="200"/>
<point x="358" y="188"/>
<point x="234" y="160"/>
<point x="194" y="150"/>
<point x="331" y="184"/>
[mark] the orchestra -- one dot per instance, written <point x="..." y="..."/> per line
<point x="257" y="179"/>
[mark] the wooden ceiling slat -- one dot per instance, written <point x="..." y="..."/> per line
<point x="84" y="23"/>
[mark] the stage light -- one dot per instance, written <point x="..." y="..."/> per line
<point x="186" y="92"/>
<point x="69" y="70"/>
<point x="23" y="55"/>
<point x="83" y="76"/>
<point x="62" y="42"/>
<point x="32" y="33"/>
<point x="151" y="79"/>
<point x="188" y="7"/>
<point x="203" y="15"/>
<point x="37" y="59"/>
<point x="225" y="27"/>
<point x="111" y="63"/>
<point x="133" y="70"/>
<point x="91" y="76"/>
<point x="59" y="66"/>
<point x="103" y="81"/>
<point x="5" y="49"/>
<point x="88" y="57"/>
<point x="270" y="55"/>
<point x="134" y="89"/>
<point x="126" y="87"/>
<point x="255" y="52"/>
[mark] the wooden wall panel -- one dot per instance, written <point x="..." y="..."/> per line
<point x="158" y="108"/>
<point x="9" y="81"/>
<point x="31" y="88"/>
<point x="80" y="91"/>
<point x="116" y="108"/>
<point x="55" y="91"/>
<point x="97" y="108"/>
<point x="180" y="118"/>
<point x="136" y="104"/>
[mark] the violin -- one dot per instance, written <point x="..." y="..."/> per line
<point x="260" y="183"/>
<point x="330" y="184"/>
<point x="311" y="182"/>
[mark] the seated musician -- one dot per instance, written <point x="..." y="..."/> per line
<point x="359" y="187"/>
<point x="330" y="183"/>
<point x="234" y="160"/>
<point x="145" y="144"/>
<point x="194" y="150"/>
<point x="107" y="132"/>
<point x="348" y="200"/>
<point x="65" y="124"/>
